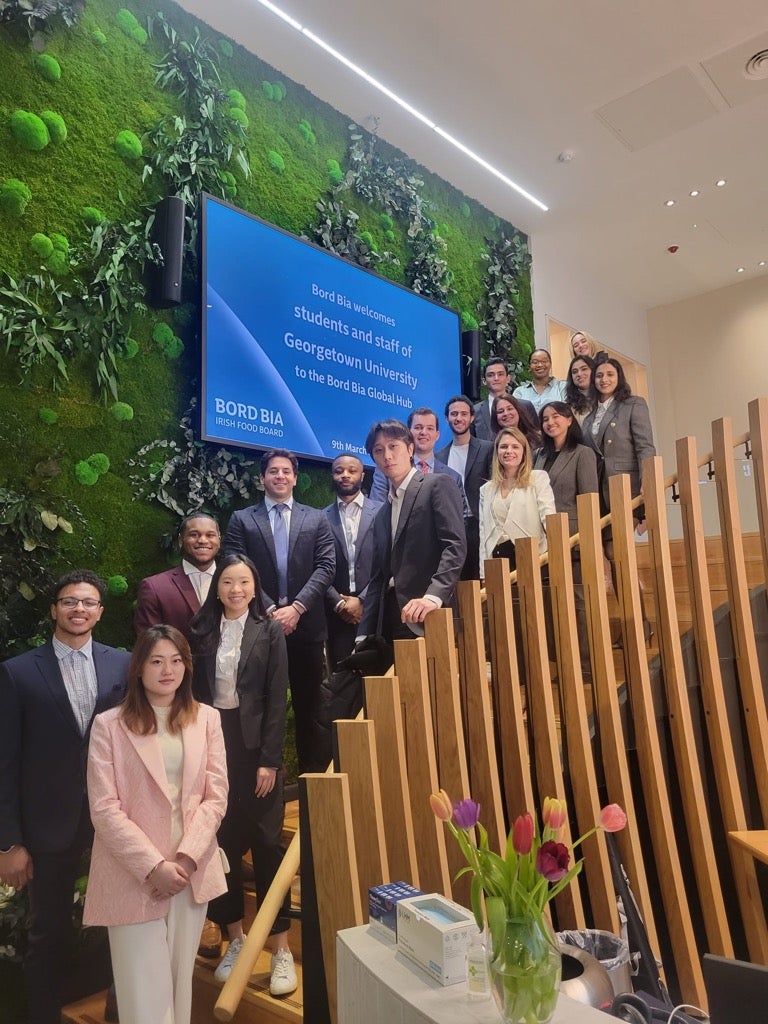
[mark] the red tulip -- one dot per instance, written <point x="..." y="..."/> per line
<point x="613" y="818"/>
<point x="522" y="834"/>
<point x="552" y="860"/>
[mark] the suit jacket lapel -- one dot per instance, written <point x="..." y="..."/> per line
<point x="471" y="455"/>
<point x="148" y="749"/>
<point x="185" y="588"/>
<point x="261" y="519"/>
<point x="335" y="520"/>
<point x="297" y="518"/>
<point x="411" y="493"/>
<point x="250" y="635"/>
<point x="560" y="463"/>
<point x="194" y="742"/>
<point x="51" y="673"/>
<point x="610" y="414"/>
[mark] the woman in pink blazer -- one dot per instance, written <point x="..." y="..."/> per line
<point x="157" y="787"/>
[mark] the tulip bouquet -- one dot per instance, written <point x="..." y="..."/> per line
<point x="511" y="891"/>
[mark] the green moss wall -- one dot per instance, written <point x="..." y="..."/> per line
<point x="107" y="86"/>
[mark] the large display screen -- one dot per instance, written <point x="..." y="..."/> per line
<point x="303" y="350"/>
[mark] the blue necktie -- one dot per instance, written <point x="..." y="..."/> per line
<point x="281" y="551"/>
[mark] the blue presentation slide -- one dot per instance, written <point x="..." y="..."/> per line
<point x="304" y="351"/>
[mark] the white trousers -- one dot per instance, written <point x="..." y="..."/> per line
<point x="152" y="963"/>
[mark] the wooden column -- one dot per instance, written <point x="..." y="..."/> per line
<point x="713" y="700"/>
<point x="541" y="707"/>
<point x="484" y="780"/>
<point x="574" y="726"/>
<point x="356" y="743"/>
<point x="758" y="436"/>
<point x="742" y="626"/>
<point x="510" y="718"/>
<point x="659" y="811"/>
<point x="611" y="734"/>
<point x="411" y="664"/>
<point x="382" y="706"/>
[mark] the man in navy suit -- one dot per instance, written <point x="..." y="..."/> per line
<point x="48" y="699"/>
<point x="292" y="547"/>
<point x="175" y="595"/>
<point x="472" y="458"/>
<point x="424" y="424"/>
<point x="419" y="539"/>
<point x="351" y="518"/>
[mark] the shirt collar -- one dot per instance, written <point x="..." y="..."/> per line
<point x="189" y="569"/>
<point x="270" y="504"/>
<point x="238" y="622"/>
<point x="402" y="488"/>
<point x="358" y="500"/>
<point x="62" y="650"/>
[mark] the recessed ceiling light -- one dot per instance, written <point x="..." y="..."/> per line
<point x="739" y="270"/>
<point x="356" y="69"/>
<point x="694" y="225"/>
<point x="761" y="263"/>
<point x="720" y="182"/>
<point x="670" y="202"/>
<point x="693" y="193"/>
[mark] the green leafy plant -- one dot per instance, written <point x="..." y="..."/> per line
<point x="41" y="15"/>
<point x="29" y="130"/>
<point x="508" y="261"/>
<point x="189" y="67"/>
<point x="14" y="197"/>
<point x="190" y="475"/>
<point x="36" y="323"/>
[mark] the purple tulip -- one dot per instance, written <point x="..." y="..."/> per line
<point x="466" y="814"/>
<point x="552" y="860"/>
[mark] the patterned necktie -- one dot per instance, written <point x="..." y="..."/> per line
<point x="423" y="466"/>
<point x="281" y="551"/>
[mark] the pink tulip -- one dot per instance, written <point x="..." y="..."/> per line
<point x="552" y="860"/>
<point x="522" y="834"/>
<point x="555" y="813"/>
<point x="441" y="805"/>
<point x="613" y="818"/>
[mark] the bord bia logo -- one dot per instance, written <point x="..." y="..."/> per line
<point x="248" y="412"/>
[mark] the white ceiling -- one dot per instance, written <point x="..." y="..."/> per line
<point x="520" y="81"/>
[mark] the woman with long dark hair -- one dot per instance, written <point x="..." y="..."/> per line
<point x="508" y="411"/>
<point x="241" y="668"/>
<point x="578" y="386"/>
<point x="157" y="787"/>
<point x="515" y="501"/>
<point x="618" y="428"/>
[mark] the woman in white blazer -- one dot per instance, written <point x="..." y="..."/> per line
<point x="157" y="787"/>
<point x="515" y="501"/>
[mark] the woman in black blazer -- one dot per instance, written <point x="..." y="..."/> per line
<point x="241" y="668"/>
<point x="572" y="469"/>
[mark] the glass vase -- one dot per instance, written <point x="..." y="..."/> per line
<point x="524" y="969"/>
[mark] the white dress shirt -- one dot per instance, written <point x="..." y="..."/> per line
<point x="227" y="660"/>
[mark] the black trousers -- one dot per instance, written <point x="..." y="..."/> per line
<point x="306" y="667"/>
<point x="251" y="823"/>
<point x="50" y="929"/>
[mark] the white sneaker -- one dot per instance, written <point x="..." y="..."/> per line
<point x="283" y="979"/>
<point x="227" y="962"/>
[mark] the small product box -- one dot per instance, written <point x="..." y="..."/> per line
<point x="382" y="906"/>
<point x="436" y="933"/>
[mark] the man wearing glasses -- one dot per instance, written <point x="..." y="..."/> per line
<point x="543" y="387"/>
<point x="48" y="699"/>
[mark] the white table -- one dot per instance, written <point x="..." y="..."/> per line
<point x="378" y="985"/>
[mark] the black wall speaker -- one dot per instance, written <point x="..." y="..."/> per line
<point x="470" y="364"/>
<point x="168" y="234"/>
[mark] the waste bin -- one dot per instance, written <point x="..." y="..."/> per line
<point x="611" y="950"/>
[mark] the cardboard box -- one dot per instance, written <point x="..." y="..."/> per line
<point x="382" y="906"/>
<point x="436" y="933"/>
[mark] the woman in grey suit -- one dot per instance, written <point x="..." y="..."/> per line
<point x="619" y="429"/>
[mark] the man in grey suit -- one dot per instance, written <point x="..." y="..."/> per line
<point x="292" y="547"/>
<point x="472" y="458"/>
<point x="48" y="699"/>
<point x="498" y="380"/>
<point x="351" y="518"/>
<point x="419" y="538"/>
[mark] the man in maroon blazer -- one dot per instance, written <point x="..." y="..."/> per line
<point x="175" y="595"/>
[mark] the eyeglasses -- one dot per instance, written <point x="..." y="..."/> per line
<point x="72" y="602"/>
<point x="539" y="362"/>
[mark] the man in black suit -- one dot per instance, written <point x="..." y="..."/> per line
<point x="292" y="547"/>
<point x="419" y="539"/>
<point x="498" y="380"/>
<point x="472" y="459"/>
<point x="48" y="699"/>
<point x="351" y="519"/>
